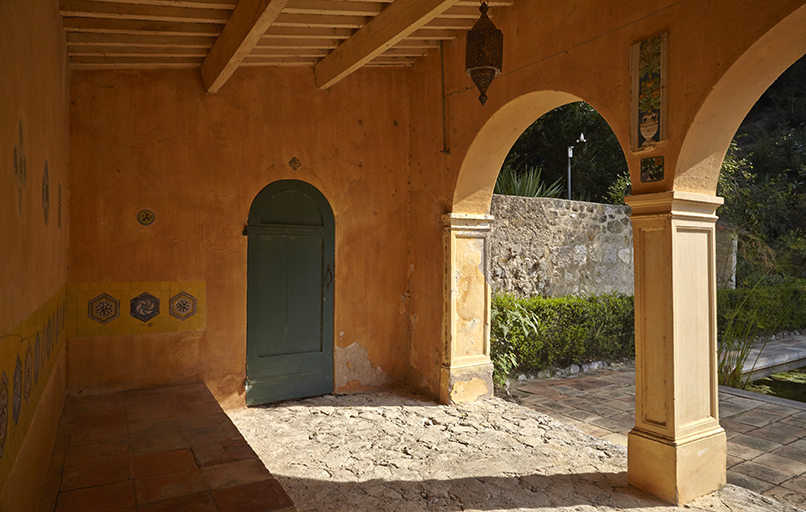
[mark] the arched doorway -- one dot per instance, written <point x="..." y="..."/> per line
<point x="289" y="311"/>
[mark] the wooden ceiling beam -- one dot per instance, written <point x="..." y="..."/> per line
<point x="246" y="27"/>
<point x="95" y="39"/>
<point x="134" y="51"/>
<point x="307" y="32"/>
<point x="315" y="20"/>
<point x="391" y="26"/>
<point x="290" y="42"/>
<point x="193" y="4"/>
<point x="134" y="62"/>
<point x="118" y="11"/>
<point x="340" y="8"/>
<point x="97" y="25"/>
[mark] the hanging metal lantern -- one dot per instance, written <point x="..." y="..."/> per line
<point x="484" y="53"/>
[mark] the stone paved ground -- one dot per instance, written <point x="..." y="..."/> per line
<point x="401" y="453"/>
<point x="766" y="435"/>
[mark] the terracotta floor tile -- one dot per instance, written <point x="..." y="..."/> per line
<point x="154" y="427"/>
<point x="169" y="485"/>
<point x="255" y="497"/>
<point x="91" y="453"/>
<point x="202" y="502"/>
<point x="162" y="462"/>
<point x="98" y="421"/>
<point x="83" y="436"/>
<point x="154" y="444"/>
<point x="150" y="412"/>
<point x="210" y="435"/>
<point x="228" y="451"/>
<point x="97" y="472"/>
<point x="235" y="473"/>
<point x="97" y="499"/>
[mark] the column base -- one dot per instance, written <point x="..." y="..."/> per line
<point x="461" y="384"/>
<point x="677" y="471"/>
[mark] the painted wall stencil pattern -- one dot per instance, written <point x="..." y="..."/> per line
<point x="17" y="398"/>
<point x="103" y="308"/>
<point x="145" y="306"/>
<point x="651" y="169"/>
<point x="46" y="193"/>
<point x="28" y="381"/>
<point x="182" y="306"/>
<point x="3" y="413"/>
<point x="37" y="362"/>
<point x="649" y="63"/>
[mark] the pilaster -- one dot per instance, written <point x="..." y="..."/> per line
<point x="466" y="373"/>
<point x="677" y="450"/>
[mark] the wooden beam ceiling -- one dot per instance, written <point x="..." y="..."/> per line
<point x="335" y="37"/>
<point x="248" y="23"/>
<point x="392" y="25"/>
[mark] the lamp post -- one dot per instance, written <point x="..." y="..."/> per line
<point x="570" y="156"/>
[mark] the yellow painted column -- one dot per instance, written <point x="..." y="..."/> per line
<point x="677" y="450"/>
<point x="466" y="373"/>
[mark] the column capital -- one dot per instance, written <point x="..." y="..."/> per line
<point x="467" y="221"/>
<point x="676" y="204"/>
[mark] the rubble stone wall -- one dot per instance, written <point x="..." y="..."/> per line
<point x="555" y="247"/>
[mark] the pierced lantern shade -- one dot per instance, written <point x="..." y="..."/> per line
<point x="484" y="53"/>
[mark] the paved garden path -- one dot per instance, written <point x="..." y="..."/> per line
<point x="766" y="435"/>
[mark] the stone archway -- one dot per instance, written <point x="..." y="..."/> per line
<point x="466" y="372"/>
<point x="731" y="98"/>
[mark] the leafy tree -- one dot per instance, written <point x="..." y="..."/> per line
<point x="596" y="164"/>
<point x="763" y="181"/>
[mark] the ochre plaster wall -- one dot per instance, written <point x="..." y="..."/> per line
<point x="583" y="51"/>
<point x="154" y="140"/>
<point x="33" y="244"/>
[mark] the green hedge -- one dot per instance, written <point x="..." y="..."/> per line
<point x="538" y="332"/>
<point x="772" y="308"/>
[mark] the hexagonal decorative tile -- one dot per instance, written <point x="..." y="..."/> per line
<point x="182" y="306"/>
<point x="145" y="306"/>
<point x="103" y="309"/>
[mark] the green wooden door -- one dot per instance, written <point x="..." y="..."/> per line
<point x="289" y="296"/>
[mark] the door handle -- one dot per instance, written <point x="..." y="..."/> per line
<point x="329" y="278"/>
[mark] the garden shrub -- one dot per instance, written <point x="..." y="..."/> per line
<point x="539" y="332"/>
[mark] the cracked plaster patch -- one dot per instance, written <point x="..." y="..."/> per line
<point x="352" y="364"/>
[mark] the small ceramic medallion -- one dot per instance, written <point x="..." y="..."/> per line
<point x="145" y="217"/>
<point x="103" y="308"/>
<point x="145" y="306"/>
<point x="182" y="306"/>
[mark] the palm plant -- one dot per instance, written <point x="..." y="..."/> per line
<point x="526" y="184"/>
